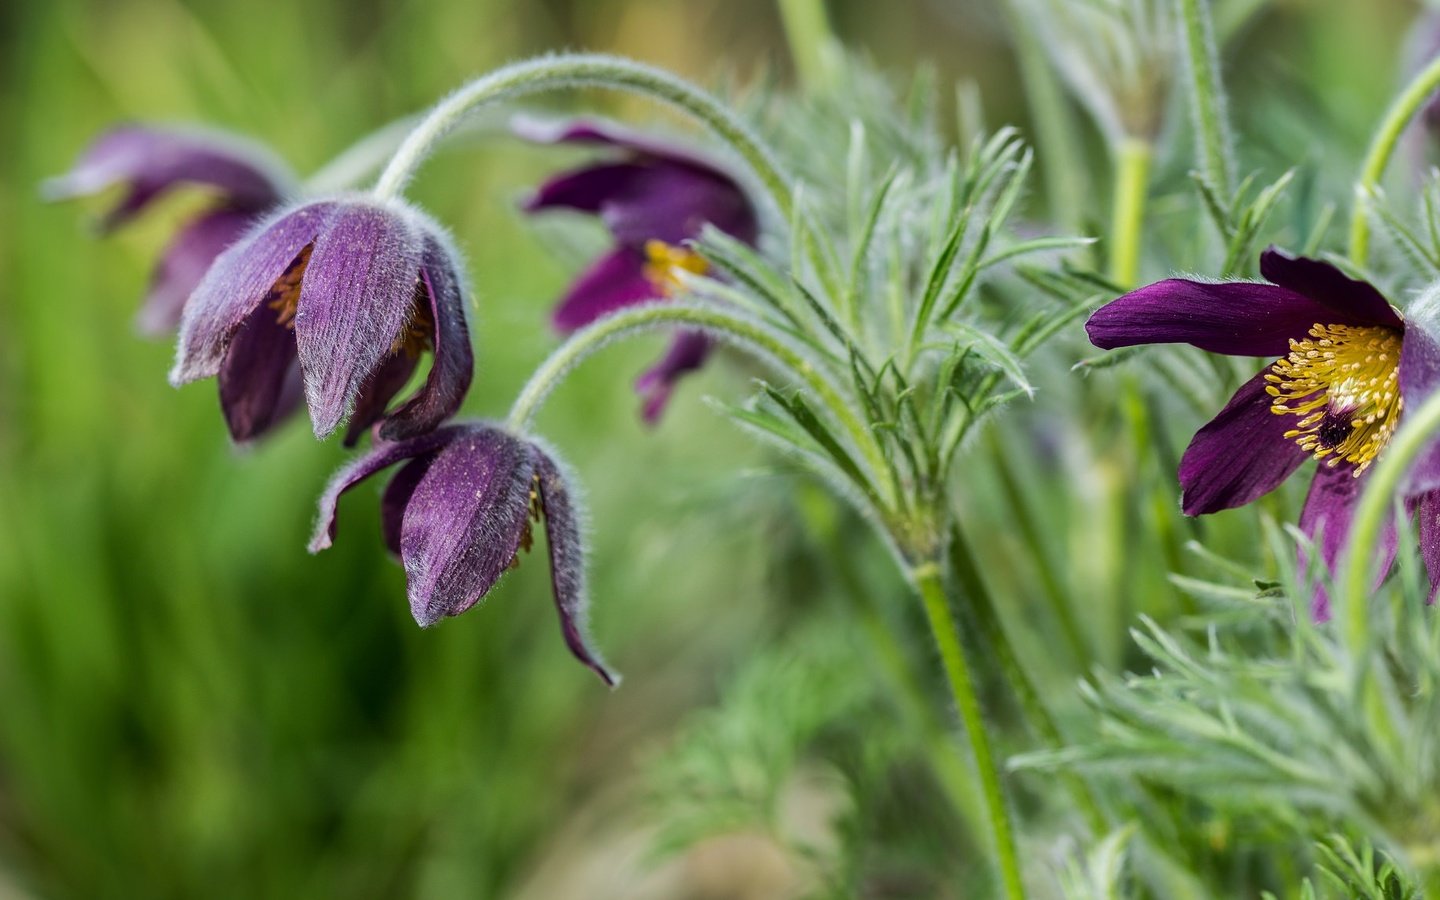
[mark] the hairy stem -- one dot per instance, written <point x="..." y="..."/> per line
<point x="930" y="585"/>
<point x="1207" y="95"/>
<point x="584" y="70"/>
<point x="812" y="42"/>
<point x="1132" y="173"/>
<point x="1382" y="147"/>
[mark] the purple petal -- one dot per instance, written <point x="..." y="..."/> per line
<point x="1240" y="455"/>
<point x="184" y="263"/>
<point x="377" y="392"/>
<point x="1419" y="379"/>
<point x="672" y="203"/>
<point x="154" y="160"/>
<point x="599" y="131"/>
<point x="1427" y="506"/>
<point x="464" y="522"/>
<point x="686" y="354"/>
<point x="358" y="293"/>
<point x="567" y="561"/>
<point x="382" y="455"/>
<point x="259" y="364"/>
<point x="397" y="497"/>
<point x="1328" y="510"/>
<point x="1238" y="318"/>
<point x="614" y="281"/>
<point x="585" y="189"/>
<point x="238" y="281"/>
<point x="454" y="360"/>
<point x="1352" y="302"/>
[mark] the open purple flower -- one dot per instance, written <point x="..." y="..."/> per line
<point x="653" y="198"/>
<point x="348" y="291"/>
<point x="244" y="179"/>
<point x="459" y="513"/>
<point x="1347" y="364"/>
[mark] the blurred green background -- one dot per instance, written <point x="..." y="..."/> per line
<point x="192" y="706"/>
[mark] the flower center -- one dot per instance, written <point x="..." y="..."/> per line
<point x="419" y="333"/>
<point x="1343" y="382"/>
<point x="284" y="295"/>
<point x="527" y="536"/>
<point x="664" y="262"/>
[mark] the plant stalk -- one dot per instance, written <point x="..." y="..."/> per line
<point x="1207" y="95"/>
<point x="1132" y="174"/>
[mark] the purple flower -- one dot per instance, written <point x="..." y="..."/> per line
<point x="1347" y="365"/>
<point x="245" y="181"/>
<point x="459" y="513"/>
<point x="348" y="292"/>
<point x="653" y="198"/>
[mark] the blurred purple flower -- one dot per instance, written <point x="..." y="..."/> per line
<point x="653" y="198"/>
<point x="244" y="179"/>
<point x="460" y="511"/>
<point x="1347" y="366"/>
<point x="347" y="291"/>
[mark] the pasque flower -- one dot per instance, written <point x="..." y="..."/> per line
<point x="1346" y="365"/>
<point x="459" y="513"/>
<point x="350" y="291"/>
<point x="244" y="180"/>
<point x="653" y="198"/>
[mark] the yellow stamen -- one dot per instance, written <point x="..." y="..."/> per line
<point x="664" y="262"/>
<point x="1343" y="383"/>
<point x="284" y="295"/>
<point x="418" y="334"/>
<point x="527" y="536"/>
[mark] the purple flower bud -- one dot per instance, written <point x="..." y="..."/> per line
<point x="245" y="179"/>
<point x="348" y="292"/>
<point x="459" y="513"/>
<point x="653" y="198"/>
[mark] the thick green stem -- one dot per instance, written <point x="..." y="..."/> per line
<point x="1132" y="174"/>
<point x="584" y="70"/>
<point x="723" y="325"/>
<point x="812" y="42"/>
<point x="1382" y="147"/>
<point x="1207" y="95"/>
<point x="931" y="587"/>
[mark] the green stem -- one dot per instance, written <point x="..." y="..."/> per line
<point x="1132" y="173"/>
<point x="721" y="324"/>
<point x="584" y="70"/>
<point x="1382" y="147"/>
<point x="812" y="42"/>
<point x="962" y="688"/>
<point x="1207" y="95"/>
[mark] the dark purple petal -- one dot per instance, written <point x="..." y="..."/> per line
<point x="1238" y="318"/>
<point x="454" y="360"/>
<point x="1240" y="455"/>
<point x="397" y="497"/>
<point x="1427" y="507"/>
<point x="258" y="365"/>
<point x="377" y="392"/>
<point x="686" y="354"/>
<point x="382" y="455"/>
<point x="585" y="189"/>
<point x="153" y="160"/>
<point x="613" y="282"/>
<point x="672" y="203"/>
<point x="600" y="132"/>
<point x="567" y="561"/>
<point x="1329" y="507"/>
<point x="1419" y="379"/>
<point x="184" y="263"/>
<point x="1352" y="302"/>
<point x="238" y="281"/>
<point x="358" y="293"/>
<point x="465" y="521"/>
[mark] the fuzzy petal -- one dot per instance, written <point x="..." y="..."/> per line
<point x="614" y="281"/>
<point x="397" y="497"/>
<point x="586" y="189"/>
<point x="567" y="562"/>
<point x="1240" y="455"/>
<point x="1238" y="318"/>
<point x="1419" y="379"/>
<point x="358" y="293"/>
<point x="258" y="365"/>
<point x="377" y="392"/>
<point x="464" y="523"/>
<point x="454" y="364"/>
<point x="154" y="160"/>
<point x="238" y="281"/>
<point x="1326" y="518"/>
<point x="1427" y="507"/>
<point x="672" y="203"/>
<point x="1351" y="302"/>
<point x="382" y="455"/>
<point x="688" y="352"/>
<point x="184" y="263"/>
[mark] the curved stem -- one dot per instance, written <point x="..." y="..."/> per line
<point x="1382" y="147"/>
<point x="1132" y="173"/>
<point x="962" y="688"/>
<point x="584" y="70"/>
<point x="721" y="324"/>
<point x="361" y="158"/>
